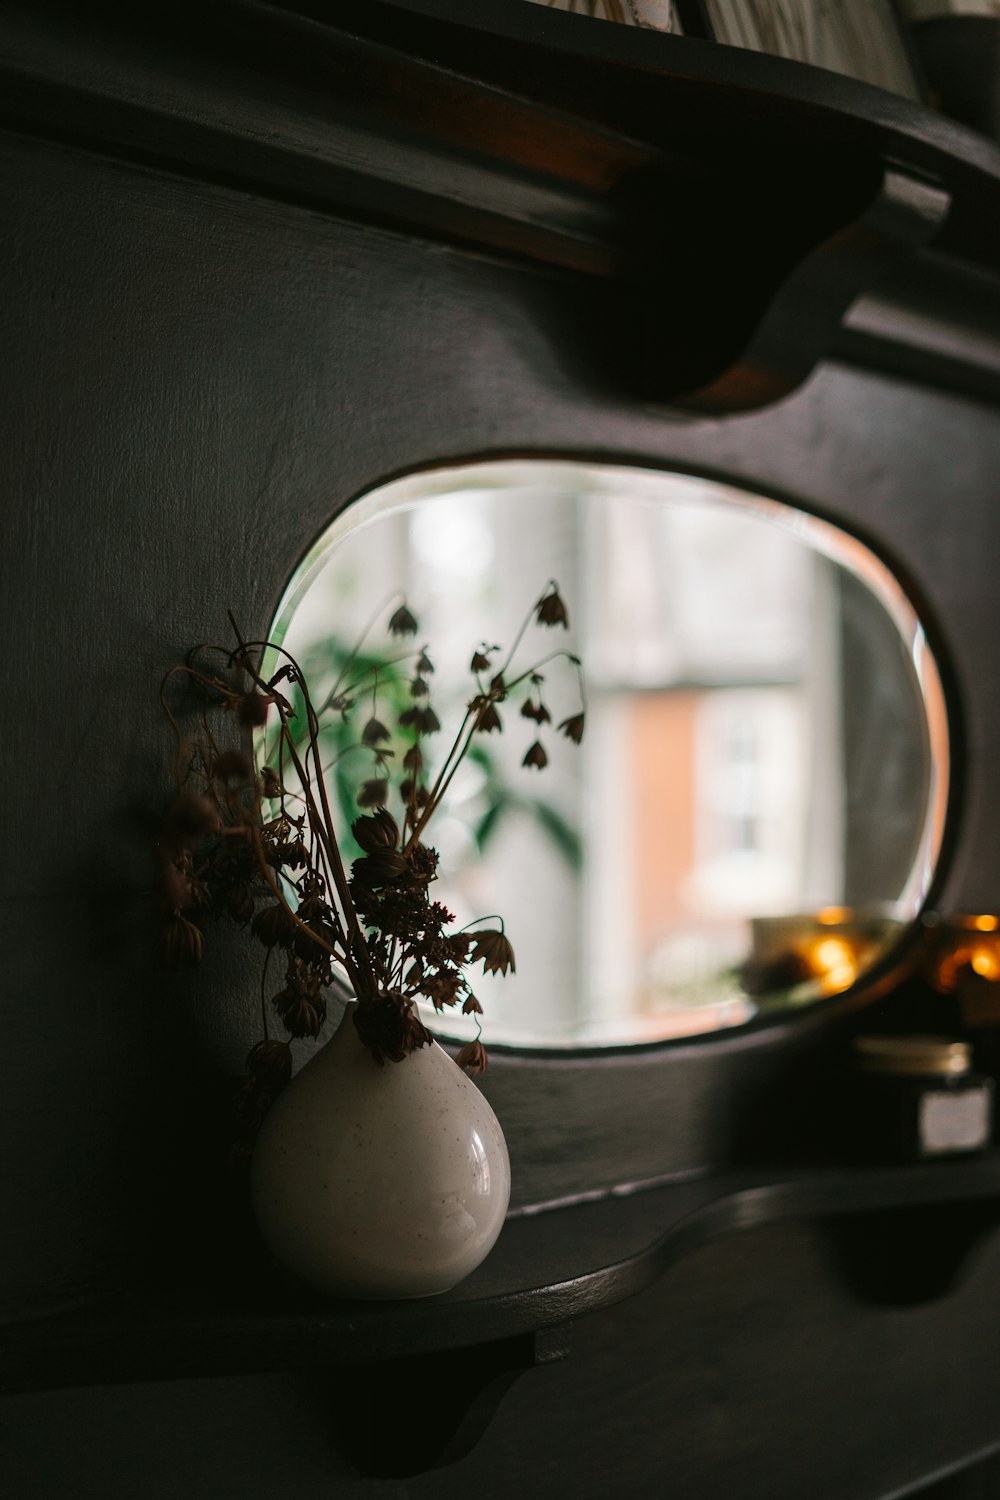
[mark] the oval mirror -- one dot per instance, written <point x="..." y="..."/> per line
<point x="756" y="810"/>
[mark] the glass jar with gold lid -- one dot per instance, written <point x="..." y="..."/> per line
<point x="921" y="1097"/>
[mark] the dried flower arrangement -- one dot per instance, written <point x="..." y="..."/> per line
<point x="260" y="844"/>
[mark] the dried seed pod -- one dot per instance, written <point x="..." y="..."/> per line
<point x="380" y="831"/>
<point x="473" y="1058"/>
<point x="495" y="951"/>
<point x="479" y="662"/>
<point x="535" y="756"/>
<point x="410" y="792"/>
<point x="459" y="944"/>
<point x="251" y="710"/>
<point x="232" y="765"/>
<point x="550" y="609"/>
<point x="191" y="818"/>
<point x="382" y="1023"/>
<point x="274" y="925"/>
<point x="291" y="855"/>
<point x="489" y="721"/>
<point x="374" y="732"/>
<point x="402" y="622"/>
<point x="172" y="885"/>
<point x="381" y="867"/>
<point x="239" y="902"/>
<point x="180" y="944"/>
<point x="423" y="863"/>
<point x="303" y="1016"/>
<point x="269" y="1064"/>
<point x="373" y="793"/>
<point x="572" y="727"/>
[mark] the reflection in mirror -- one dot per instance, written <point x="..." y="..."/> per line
<point x="758" y="808"/>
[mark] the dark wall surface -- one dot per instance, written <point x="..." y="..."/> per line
<point x="197" y="379"/>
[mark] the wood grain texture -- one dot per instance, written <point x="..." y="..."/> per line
<point x="749" y="1370"/>
<point x="200" y="372"/>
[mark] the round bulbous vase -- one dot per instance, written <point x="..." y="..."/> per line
<point x="380" y="1182"/>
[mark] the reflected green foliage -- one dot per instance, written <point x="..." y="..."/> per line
<point x="347" y="763"/>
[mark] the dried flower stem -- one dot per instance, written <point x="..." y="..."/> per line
<point x="361" y="974"/>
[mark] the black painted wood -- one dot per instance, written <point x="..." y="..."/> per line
<point x="548" y="1269"/>
<point x="961" y="58"/>
<point x="257" y="261"/>
<point x="686" y="182"/>
<point x="750" y="1370"/>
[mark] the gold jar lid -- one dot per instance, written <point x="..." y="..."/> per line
<point x="935" y="1056"/>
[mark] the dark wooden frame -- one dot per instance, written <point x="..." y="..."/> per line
<point x="244" y="237"/>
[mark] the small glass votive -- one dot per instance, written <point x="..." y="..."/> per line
<point x="921" y="1098"/>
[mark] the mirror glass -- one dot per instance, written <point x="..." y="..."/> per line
<point x="756" y="808"/>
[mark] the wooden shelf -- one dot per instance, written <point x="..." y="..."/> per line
<point x="547" y="1269"/>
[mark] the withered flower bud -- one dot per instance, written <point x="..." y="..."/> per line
<point x="495" y="951"/>
<point x="381" y="1023"/>
<point x="423" y="863"/>
<point x="379" y="831"/>
<point x="308" y="940"/>
<point x="380" y="867"/>
<point x="252" y="710"/>
<point x="410" y="792"/>
<point x="374" y="732"/>
<point x="239" y="902"/>
<point x="304" y="1017"/>
<point x="429" y="721"/>
<point x="232" y="765"/>
<point x="443" y="987"/>
<point x="180" y="944"/>
<point x="418" y="687"/>
<point x="274" y="926"/>
<point x="479" y="662"/>
<point x="472" y="1007"/>
<point x="425" y="666"/>
<point x="572" y="728"/>
<point x="172" y="885"/>
<point x="535" y="756"/>
<point x="413" y="760"/>
<point x="270" y="1065"/>
<point x="291" y="854"/>
<point x="373" y="793"/>
<point x="191" y="818"/>
<point x="550" y="609"/>
<point x="489" y="721"/>
<point x="402" y="622"/>
<point x="197" y="893"/>
<point x="536" y="711"/>
<point x="410" y="718"/>
<point x="473" y="1058"/>
<point x="459" y="944"/>
<point x="270" y="783"/>
<point x="415" y="1033"/>
<point x="415" y="972"/>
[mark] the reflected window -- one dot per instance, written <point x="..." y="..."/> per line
<point x="757" y="808"/>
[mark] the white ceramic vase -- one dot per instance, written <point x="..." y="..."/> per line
<point x="376" y="1181"/>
